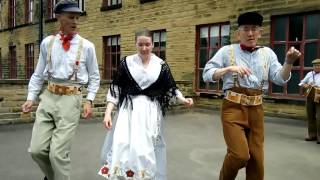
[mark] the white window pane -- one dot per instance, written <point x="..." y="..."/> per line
<point x="156" y="37"/>
<point x="204" y="32"/>
<point x="225" y="30"/>
<point x="163" y="37"/>
<point x="114" y="2"/>
<point x="109" y="42"/>
<point x="109" y="2"/>
<point x="214" y="31"/>
<point x="114" y="41"/>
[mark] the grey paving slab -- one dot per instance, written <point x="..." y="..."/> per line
<point x="195" y="148"/>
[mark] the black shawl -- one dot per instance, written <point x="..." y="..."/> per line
<point x="162" y="90"/>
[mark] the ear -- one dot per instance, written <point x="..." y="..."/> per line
<point x="260" y="33"/>
<point x="237" y="35"/>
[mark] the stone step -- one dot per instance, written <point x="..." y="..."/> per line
<point x="5" y="109"/>
<point x="9" y="115"/>
<point x="14" y="121"/>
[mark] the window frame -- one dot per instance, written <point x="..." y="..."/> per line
<point x="301" y="68"/>
<point x="49" y="10"/>
<point x="81" y="5"/>
<point x="1" y="67"/>
<point x="12" y="62"/>
<point x="208" y="48"/>
<point x="12" y="13"/>
<point x="29" y="11"/>
<point x="157" y="50"/>
<point x="29" y="60"/>
<point x="108" y="67"/>
<point x="146" y="1"/>
<point x="105" y="6"/>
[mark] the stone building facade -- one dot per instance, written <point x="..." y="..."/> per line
<point x="186" y="34"/>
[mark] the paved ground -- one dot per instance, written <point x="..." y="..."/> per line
<point x="195" y="148"/>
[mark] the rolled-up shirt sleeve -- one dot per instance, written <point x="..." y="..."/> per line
<point x="212" y="65"/>
<point x="306" y="79"/>
<point x="93" y="73"/>
<point x="275" y="70"/>
<point x="37" y="78"/>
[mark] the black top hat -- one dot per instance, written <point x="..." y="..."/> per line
<point x="67" y="6"/>
<point x="250" y="18"/>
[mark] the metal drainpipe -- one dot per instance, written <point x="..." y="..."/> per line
<point x="41" y="23"/>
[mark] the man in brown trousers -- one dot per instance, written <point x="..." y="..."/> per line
<point x="311" y="82"/>
<point x="245" y="70"/>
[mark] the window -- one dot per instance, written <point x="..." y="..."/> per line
<point x="145" y="1"/>
<point x="50" y="6"/>
<point x="81" y="5"/>
<point x="29" y="56"/>
<point x="0" y="13"/>
<point x="209" y="39"/>
<point x="12" y="13"/>
<point x="159" y="42"/>
<point x="1" y="68"/>
<point x="112" y="52"/>
<point x="303" y="32"/>
<point x="29" y="6"/>
<point x="12" y="62"/>
<point x="111" y="4"/>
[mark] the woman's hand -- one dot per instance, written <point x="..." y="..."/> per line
<point x="107" y="121"/>
<point x="188" y="102"/>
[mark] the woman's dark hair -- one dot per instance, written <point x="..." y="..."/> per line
<point x="143" y="32"/>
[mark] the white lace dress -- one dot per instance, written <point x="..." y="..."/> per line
<point x="135" y="147"/>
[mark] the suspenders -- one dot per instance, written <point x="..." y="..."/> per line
<point x="74" y="75"/>
<point x="265" y="67"/>
<point x="232" y="63"/>
<point x="48" y="60"/>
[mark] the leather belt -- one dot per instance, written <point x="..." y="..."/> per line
<point x="243" y="99"/>
<point x="62" y="89"/>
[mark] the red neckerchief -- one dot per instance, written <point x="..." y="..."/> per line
<point x="66" y="40"/>
<point x="249" y="49"/>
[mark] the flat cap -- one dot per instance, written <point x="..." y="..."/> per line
<point x="250" y="18"/>
<point x="66" y="6"/>
<point x="316" y="61"/>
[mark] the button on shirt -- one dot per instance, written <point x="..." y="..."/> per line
<point x="62" y="66"/>
<point x="311" y="78"/>
<point x="263" y="63"/>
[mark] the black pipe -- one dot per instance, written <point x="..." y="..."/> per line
<point x="40" y="22"/>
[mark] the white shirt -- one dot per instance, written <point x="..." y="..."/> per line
<point x="255" y="61"/>
<point x="311" y="78"/>
<point x="62" y="64"/>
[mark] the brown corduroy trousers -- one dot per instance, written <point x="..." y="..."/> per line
<point x="313" y="116"/>
<point x="243" y="130"/>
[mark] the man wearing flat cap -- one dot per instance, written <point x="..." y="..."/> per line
<point x="66" y="62"/>
<point x="311" y="83"/>
<point x="245" y="70"/>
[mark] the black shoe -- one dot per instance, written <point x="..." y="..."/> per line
<point x="310" y="138"/>
<point x="45" y="178"/>
<point x="318" y="142"/>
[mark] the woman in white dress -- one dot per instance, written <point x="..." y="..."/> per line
<point x="141" y="90"/>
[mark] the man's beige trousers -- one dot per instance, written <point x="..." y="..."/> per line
<point x="57" y="117"/>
